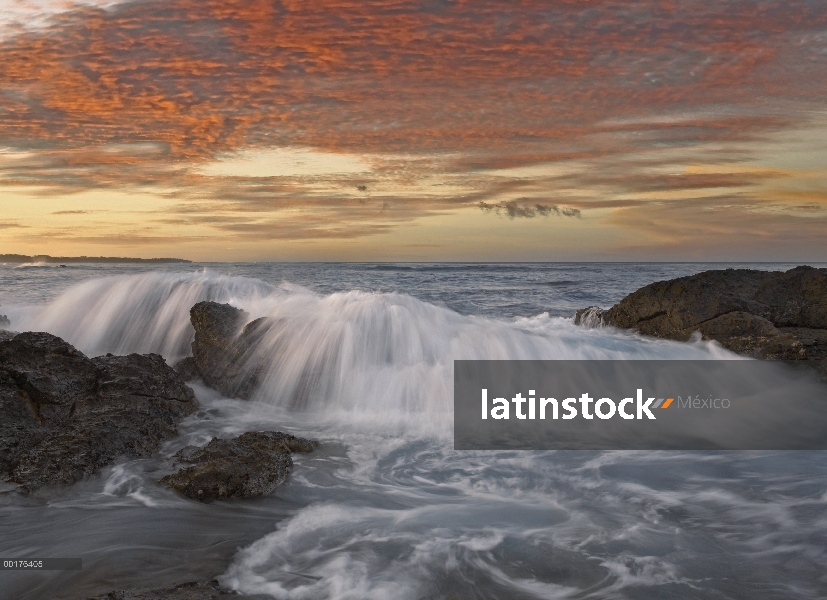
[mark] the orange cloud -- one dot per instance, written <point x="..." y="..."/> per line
<point x="200" y="77"/>
<point x="143" y="94"/>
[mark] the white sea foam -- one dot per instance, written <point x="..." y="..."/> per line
<point x="368" y="359"/>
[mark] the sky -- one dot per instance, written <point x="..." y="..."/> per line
<point x="253" y="130"/>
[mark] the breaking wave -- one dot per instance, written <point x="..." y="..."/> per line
<point x="381" y="358"/>
<point x="387" y="509"/>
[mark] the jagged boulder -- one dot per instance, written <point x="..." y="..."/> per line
<point x="64" y="416"/>
<point x="224" y="354"/>
<point x="766" y="314"/>
<point x="252" y="464"/>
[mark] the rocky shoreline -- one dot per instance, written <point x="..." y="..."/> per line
<point x="65" y="416"/>
<point x="771" y="315"/>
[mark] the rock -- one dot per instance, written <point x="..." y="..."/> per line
<point x="224" y="354"/>
<point x="185" y="591"/>
<point x="187" y="369"/>
<point x="766" y="314"/>
<point x="589" y="317"/>
<point x="216" y="328"/>
<point x="4" y="322"/>
<point x="64" y="416"/>
<point x="252" y="464"/>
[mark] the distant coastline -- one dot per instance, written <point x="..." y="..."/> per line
<point x="45" y="258"/>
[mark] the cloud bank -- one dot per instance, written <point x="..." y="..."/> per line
<point x="634" y="112"/>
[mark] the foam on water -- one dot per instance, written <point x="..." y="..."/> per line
<point x="387" y="509"/>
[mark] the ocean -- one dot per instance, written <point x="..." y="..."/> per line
<point x="386" y="508"/>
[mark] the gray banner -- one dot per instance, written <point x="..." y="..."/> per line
<point x="41" y="564"/>
<point x="637" y="405"/>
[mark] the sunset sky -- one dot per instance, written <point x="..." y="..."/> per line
<point x="403" y="130"/>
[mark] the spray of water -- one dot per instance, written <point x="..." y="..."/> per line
<point x="373" y="358"/>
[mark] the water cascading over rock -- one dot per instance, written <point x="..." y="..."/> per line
<point x="223" y="350"/>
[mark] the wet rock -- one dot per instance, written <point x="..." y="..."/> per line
<point x="773" y="315"/>
<point x="186" y="591"/>
<point x="216" y="328"/>
<point x="252" y="464"/>
<point x="224" y="349"/>
<point x="187" y="369"/>
<point x="589" y="317"/>
<point x="64" y="416"/>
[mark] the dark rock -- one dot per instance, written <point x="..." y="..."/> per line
<point x="186" y="591"/>
<point x="252" y="464"/>
<point x="773" y="315"/>
<point x="4" y="322"/>
<point x="64" y="416"/>
<point x="188" y="369"/>
<point x="224" y="355"/>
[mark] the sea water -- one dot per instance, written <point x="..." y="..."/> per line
<point x="360" y="357"/>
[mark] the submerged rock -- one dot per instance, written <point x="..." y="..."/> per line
<point x="765" y="314"/>
<point x="64" y="416"/>
<point x="252" y="464"/>
<point x="223" y="350"/>
<point x="589" y="317"/>
<point x="191" y="590"/>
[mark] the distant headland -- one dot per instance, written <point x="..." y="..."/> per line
<point x="45" y="258"/>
